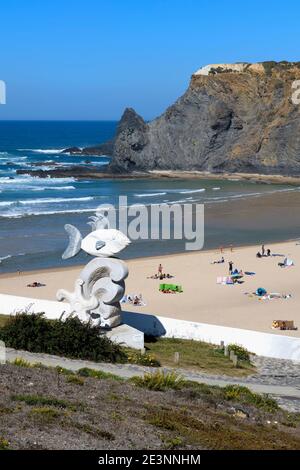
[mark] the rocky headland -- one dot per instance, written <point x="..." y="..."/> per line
<point x="233" y="119"/>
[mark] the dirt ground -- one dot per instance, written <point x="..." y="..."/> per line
<point x="43" y="409"/>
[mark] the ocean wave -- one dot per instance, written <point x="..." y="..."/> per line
<point x="46" y="151"/>
<point x="53" y="188"/>
<point x="216" y="189"/>
<point x="16" y="215"/>
<point x="6" y="203"/>
<point x="2" y="258"/>
<point x="56" y="200"/>
<point x="190" y="191"/>
<point x="34" y="179"/>
<point x="150" y="194"/>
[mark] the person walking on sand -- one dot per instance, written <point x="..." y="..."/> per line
<point x="263" y="250"/>
<point x="160" y="270"/>
<point x="230" y="267"/>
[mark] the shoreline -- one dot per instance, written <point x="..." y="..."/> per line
<point x="83" y="173"/>
<point x="216" y="250"/>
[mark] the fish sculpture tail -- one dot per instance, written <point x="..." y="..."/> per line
<point x="75" y="240"/>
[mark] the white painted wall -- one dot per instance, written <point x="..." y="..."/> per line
<point x="263" y="344"/>
<point x="11" y="304"/>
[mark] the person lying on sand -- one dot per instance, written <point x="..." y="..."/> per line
<point x="36" y="284"/>
<point x="219" y="261"/>
<point x="161" y="277"/>
<point x="134" y="299"/>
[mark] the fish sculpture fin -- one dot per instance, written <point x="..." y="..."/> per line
<point x="100" y="244"/>
<point x="75" y="240"/>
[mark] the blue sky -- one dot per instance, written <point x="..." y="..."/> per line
<point x="89" y="59"/>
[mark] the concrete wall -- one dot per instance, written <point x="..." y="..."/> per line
<point x="263" y="344"/>
<point x="11" y="304"/>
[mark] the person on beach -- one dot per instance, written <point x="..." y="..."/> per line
<point x="268" y="252"/>
<point x="230" y="267"/>
<point x="160" y="270"/>
<point x="263" y="250"/>
<point x="220" y="261"/>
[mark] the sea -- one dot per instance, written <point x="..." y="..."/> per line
<point x="33" y="211"/>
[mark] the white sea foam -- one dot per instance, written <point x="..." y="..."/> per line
<point x="35" y="180"/>
<point x="53" y="188"/>
<point x="56" y="200"/>
<point x="2" y="258"/>
<point x="150" y="194"/>
<point x="190" y="191"/>
<point x="6" y="203"/>
<point x="46" y="151"/>
<point x="17" y="215"/>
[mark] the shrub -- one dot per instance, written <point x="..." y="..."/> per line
<point x="74" y="379"/>
<point x="98" y="374"/>
<point x="70" y="338"/>
<point x="45" y="415"/>
<point x="20" y="362"/>
<point x="244" y="395"/>
<point x="4" y="444"/>
<point x="159" y="381"/>
<point x="143" y="359"/>
<point x="36" y="400"/>
<point x="241" y="353"/>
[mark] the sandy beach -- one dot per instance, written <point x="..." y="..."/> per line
<point x="202" y="300"/>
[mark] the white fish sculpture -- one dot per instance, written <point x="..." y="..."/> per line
<point x="100" y="243"/>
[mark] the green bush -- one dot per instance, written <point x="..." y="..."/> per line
<point x="70" y="338"/>
<point x="4" y="444"/>
<point x="159" y="381"/>
<point x="146" y="359"/>
<point x="98" y="374"/>
<point x="244" y="395"/>
<point x="74" y="379"/>
<point x="241" y="353"/>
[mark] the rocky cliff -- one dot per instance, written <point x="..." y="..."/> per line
<point x="233" y="118"/>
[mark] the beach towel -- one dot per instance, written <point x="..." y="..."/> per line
<point x="288" y="262"/>
<point x="250" y="273"/>
<point x="170" y="287"/>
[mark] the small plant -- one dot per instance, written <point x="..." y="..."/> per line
<point x="63" y="371"/>
<point x="244" y="395"/>
<point x="99" y="433"/>
<point x="159" y="381"/>
<point x="4" y="444"/>
<point x="33" y="400"/>
<point x="20" y="362"/>
<point x="172" y="443"/>
<point x="74" y="379"/>
<point x="98" y="374"/>
<point x="241" y="353"/>
<point x="44" y="414"/>
<point x="143" y="359"/>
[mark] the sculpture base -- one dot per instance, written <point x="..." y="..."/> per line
<point x="126" y="336"/>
